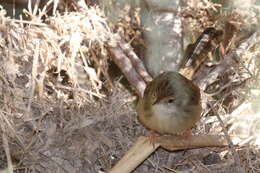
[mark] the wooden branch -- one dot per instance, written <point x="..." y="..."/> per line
<point x="142" y="148"/>
<point x="231" y="145"/>
<point x="137" y="63"/>
<point x="175" y="143"/>
<point x="128" y="70"/>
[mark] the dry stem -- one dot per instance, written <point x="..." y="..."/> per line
<point x="142" y="148"/>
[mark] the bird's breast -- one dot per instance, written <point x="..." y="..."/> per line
<point x="173" y="120"/>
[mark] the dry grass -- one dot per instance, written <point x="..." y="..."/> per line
<point x="56" y="116"/>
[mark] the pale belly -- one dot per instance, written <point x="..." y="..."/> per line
<point x="163" y="121"/>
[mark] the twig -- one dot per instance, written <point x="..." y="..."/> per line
<point x="230" y="60"/>
<point x="27" y="22"/>
<point x="128" y="70"/>
<point x="220" y="89"/>
<point x="176" y="143"/>
<point x="4" y="120"/>
<point x="7" y="152"/>
<point x="137" y="63"/>
<point x="142" y="148"/>
<point x="81" y="90"/>
<point x="231" y="145"/>
<point x="28" y="116"/>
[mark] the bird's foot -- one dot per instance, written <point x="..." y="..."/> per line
<point x="152" y="136"/>
<point x="187" y="133"/>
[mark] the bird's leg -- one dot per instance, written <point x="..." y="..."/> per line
<point x="152" y="136"/>
<point x="187" y="133"/>
<point x="222" y="50"/>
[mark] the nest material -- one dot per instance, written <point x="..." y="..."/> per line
<point x="68" y="51"/>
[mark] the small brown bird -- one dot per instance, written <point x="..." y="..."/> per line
<point x="170" y="105"/>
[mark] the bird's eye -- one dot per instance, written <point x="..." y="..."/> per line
<point x="170" y="101"/>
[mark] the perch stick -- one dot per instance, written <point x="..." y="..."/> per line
<point x="135" y="60"/>
<point x="127" y="68"/>
<point x="142" y="148"/>
<point x="175" y="143"/>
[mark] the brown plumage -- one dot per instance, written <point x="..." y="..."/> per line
<point x="170" y="105"/>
